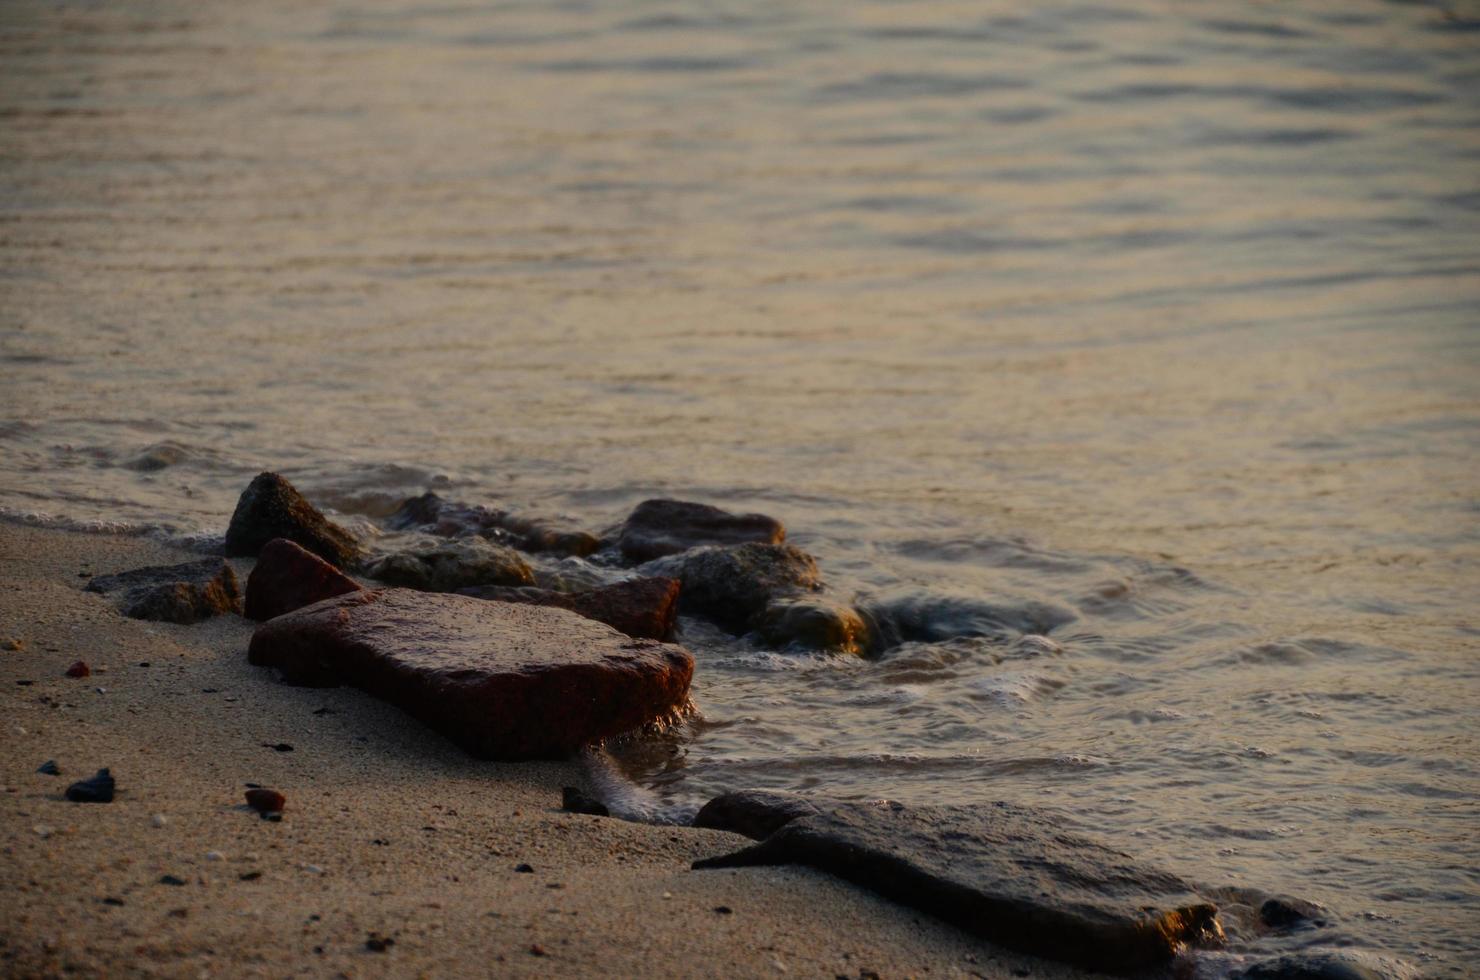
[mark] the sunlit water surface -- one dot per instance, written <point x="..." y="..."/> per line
<point x="1161" y="313"/>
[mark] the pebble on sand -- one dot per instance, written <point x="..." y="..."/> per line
<point x="266" y="801"/>
<point x="98" y="789"/>
<point x="79" y="668"/>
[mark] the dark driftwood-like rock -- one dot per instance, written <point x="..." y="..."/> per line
<point x="186" y="593"/>
<point x="503" y="681"/>
<point x="271" y="508"/>
<point x="733" y="585"/>
<point x="288" y="577"/>
<point x="447" y="566"/>
<point x="1005" y="872"/>
<point x="666" y="527"/>
<point x="756" y="813"/>
<point x="642" y="607"/>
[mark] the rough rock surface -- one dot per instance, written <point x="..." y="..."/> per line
<point x="756" y="813"/>
<point x="733" y="585"/>
<point x="431" y="514"/>
<point x="451" y="565"/>
<point x="186" y="593"/>
<point x="666" y="527"/>
<point x="288" y="577"/>
<point x="816" y="623"/>
<point x="503" y="681"/>
<point x="641" y="607"/>
<point x="271" y="508"/>
<point x="1005" y="872"/>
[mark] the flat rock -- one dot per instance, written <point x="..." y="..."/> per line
<point x="755" y="813"/>
<point x="642" y="607"/>
<point x="185" y="593"/>
<point x="271" y="508"/>
<point x="1008" y="873"/>
<point x="666" y="527"/>
<point x="502" y="680"/>
<point x="289" y="577"/>
<point x="733" y="585"/>
<point x="447" y="566"/>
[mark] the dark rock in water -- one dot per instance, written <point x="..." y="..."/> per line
<point x="433" y="515"/>
<point x="78" y="668"/>
<point x="504" y="681"/>
<point x="289" y="577"/>
<point x="642" y="607"/>
<point x="1284" y="912"/>
<point x="185" y="593"/>
<point x="1325" y="964"/>
<point x="815" y="623"/>
<point x="932" y="618"/>
<point x="755" y="813"/>
<point x="452" y="565"/>
<point x="574" y="801"/>
<point x="98" y="789"/>
<point x="666" y="527"/>
<point x="1007" y="873"/>
<point x="733" y="585"/>
<point x="266" y="801"/>
<point x="49" y="768"/>
<point x="271" y="508"/>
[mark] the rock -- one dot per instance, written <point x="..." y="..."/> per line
<point x="1326" y="964"/>
<point x="452" y="565"/>
<point x="266" y="801"/>
<point x="815" y="623"/>
<point x="271" y="508"/>
<point x="755" y="813"/>
<point x="666" y="527"/>
<point x="49" y="768"/>
<point x="12" y="644"/>
<point x="503" y="681"/>
<point x="78" y="668"/>
<point x="1008" y="873"/>
<point x="376" y="943"/>
<point x="931" y="618"/>
<point x="98" y="789"/>
<point x="172" y="880"/>
<point x="185" y="593"/>
<point x="1284" y="912"/>
<point x="431" y="514"/>
<point x="573" y="800"/>
<point x="733" y="585"/>
<point x="642" y="607"/>
<point x="289" y="577"/>
<point x="524" y="869"/>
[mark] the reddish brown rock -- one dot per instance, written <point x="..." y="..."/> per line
<point x="266" y="800"/>
<point x="502" y="680"/>
<point x="271" y="508"/>
<point x="78" y="669"/>
<point x="666" y="527"/>
<point x="288" y="577"/>
<point x="641" y="607"/>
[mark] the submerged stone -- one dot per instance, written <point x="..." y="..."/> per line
<point x="642" y="607"/>
<point x="666" y="527"/>
<point x="1008" y="873"/>
<point x="816" y="623"/>
<point x="755" y="813"/>
<point x="932" y="618"/>
<point x="733" y="585"/>
<point x="184" y="593"/>
<point x="271" y="508"/>
<point x="289" y="577"/>
<point x="97" y="789"/>
<point x="452" y="565"/>
<point x="504" y="681"/>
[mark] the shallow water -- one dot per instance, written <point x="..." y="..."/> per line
<point x="1161" y="314"/>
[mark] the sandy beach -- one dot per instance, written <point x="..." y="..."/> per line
<point x="389" y="829"/>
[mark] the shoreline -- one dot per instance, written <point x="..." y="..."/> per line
<point x="389" y="830"/>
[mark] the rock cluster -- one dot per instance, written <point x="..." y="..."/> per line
<point x="185" y="593"/>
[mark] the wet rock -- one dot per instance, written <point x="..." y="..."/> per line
<point x="666" y="527"/>
<point x="289" y="577"/>
<point x="1008" y="873"/>
<point x="816" y="623"/>
<point x="1325" y="964"/>
<point x="755" y="813"/>
<point x="503" y="681"/>
<point x="185" y="593"/>
<point x="266" y="801"/>
<point x="1284" y="912"/>
<point x="452" y="565"/>
<point x="933" y="618"/>
<point x="733" y="585"/>
<point x="431" y="514"/>
<point x="98" y="789"/>
<point x="78" y="668"/>
<point x="573" y="800"/>
<point x="642" y="607"/>
<point x="49" y="768"/>
<point x="271" y="508"/>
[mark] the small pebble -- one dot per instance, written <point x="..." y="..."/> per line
<point x="49" y="768"/>
<point x="278" y="746"/>
<point x="110" y="900"/>
<point x="524" y="869"/>
<point x="266" y="801"/>
<point x="724" y="910"/>
<point x="215" y="856"/>
<point x="377" y="943"/>
<point x="537" y="950"/>
<point x="13" y="644"/>
<point x="313" y="869"/>
<point x="78" y="669"/>
<point x="171" y="880"/>
<point x="249" y="876"/>
<point x="98" y="789"/>
<point x="159" y="820"/>
<point x="43" y="831"/>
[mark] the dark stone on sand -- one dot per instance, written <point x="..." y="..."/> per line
<point x="932" y="618"/>
<point x="266" y="801"/>
<point x="451" y="565"/>
<point x="98" y="789"/>
<point x="573" y="800"/>
<point x="504" y="681"/>
<point x="1284" y="912"/>
<point x="271" y="508"/>
<point x="816" y="623"/>
<point x="524" y="869"/>
<point x="289" y="577"/>
<point x="185" y="593"/>
<point x="733" y="585"/>
<point x="376" y="943"/>
<point x="171" y="880"/>
<point x="49" y="768"/>
<point x="78" y="668"/>
<point x="755" y="813"/>
<point x="642" y="607"/>
<point x="666" y="527"/>
<point x="1008" y="873"/>
<point x="1323" y="964"/>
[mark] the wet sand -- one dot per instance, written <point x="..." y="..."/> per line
<point x="389" y="829"/>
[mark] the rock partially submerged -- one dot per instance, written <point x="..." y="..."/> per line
<point x="666" y="527"/>
<point x="928" y="617"/>
<point x="431" y="514"/>
<point x="289" y="577"/>
<point x="447" y="566"/>
<point x="816" y="623"/>
<point x="755" y="813"/>
<point x="504" y="681"/>
<point x="733" y="585"/>
<point x="641" y="607"/>
<point x="185" y="593"/>
<point x="271" y="508"/>
<point x="1007" y="873"/>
